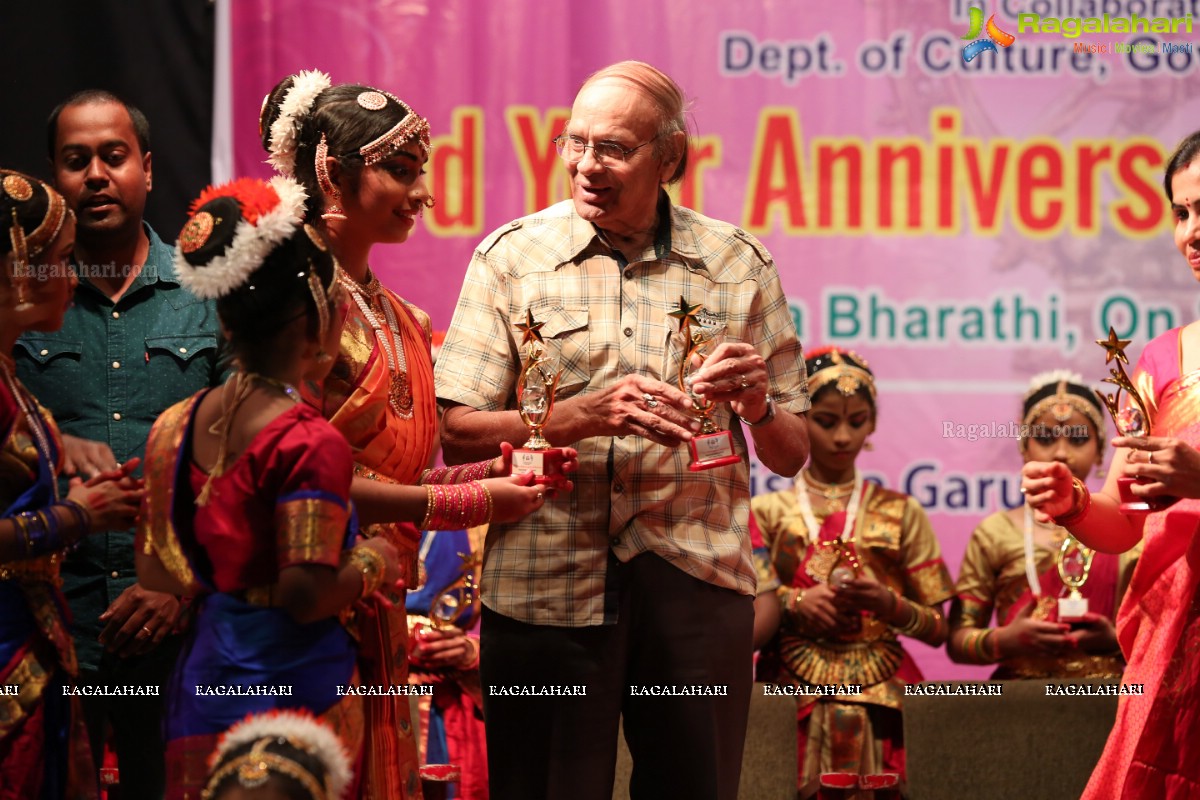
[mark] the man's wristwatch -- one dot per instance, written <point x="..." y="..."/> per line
<point x="767" y="417"/>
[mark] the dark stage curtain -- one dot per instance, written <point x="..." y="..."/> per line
<point x="157" y="54"/>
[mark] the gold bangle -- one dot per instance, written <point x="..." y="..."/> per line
<point x="372" y="566"/>
<point x="429" y="507"/>
<point x="490" y="505"/>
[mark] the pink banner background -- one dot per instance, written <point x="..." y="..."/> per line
<point x="496" y="80"/>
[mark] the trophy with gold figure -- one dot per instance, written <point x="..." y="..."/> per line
<point x="712" y="447"/>
<point x="536" y="386"/>
<point x="1074" y="566"/>
<point x="460" y="596"/>
<point x="453" y="605"/>
<point x="1132" y="421"/>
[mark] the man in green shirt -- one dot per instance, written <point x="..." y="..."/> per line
<point x="134" y="343"/>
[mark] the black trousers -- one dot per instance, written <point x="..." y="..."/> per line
<point x="137" y="722"/>
<point x="673" y="632"/>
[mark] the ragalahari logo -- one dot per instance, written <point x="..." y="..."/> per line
<point x="995" y="35"/>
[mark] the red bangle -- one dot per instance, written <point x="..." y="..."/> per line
<point x="1079" y="508"/>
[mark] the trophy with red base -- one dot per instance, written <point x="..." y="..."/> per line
<point x="712" y="447"/>
<point x="1132" y="421"/>
<point x="536" y="386"/>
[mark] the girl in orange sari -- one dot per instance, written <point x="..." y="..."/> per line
<point x="360" y="153"/>
<point x="1153" y="750"/>
<point x="1062" y="421"/>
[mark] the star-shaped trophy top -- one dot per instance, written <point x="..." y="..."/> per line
<point x="1114" y="347"/>
<point x="686" y="313"/>
<point x="531" y="331"/>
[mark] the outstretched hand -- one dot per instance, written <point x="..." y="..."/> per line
<point x="1049" y="488"/>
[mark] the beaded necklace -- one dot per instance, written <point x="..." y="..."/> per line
<point x="41" y="439"/>
<point x="399" y="391"/>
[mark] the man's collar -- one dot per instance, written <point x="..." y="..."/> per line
<point x="671" y="235"/>
<point x="159" y="266"/>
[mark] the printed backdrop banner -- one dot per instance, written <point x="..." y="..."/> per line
<point x="963" y="225"/>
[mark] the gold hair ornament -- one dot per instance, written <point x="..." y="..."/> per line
<point x="846" y="377"/>
<point x="407" y="128"/>
<point x="255" y="767"/>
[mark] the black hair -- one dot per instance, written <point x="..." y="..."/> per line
<point x="141" y="125"/>
<point x="347" y="126"/>
<point x="1184" y="154"/>
<point x="255" y="314"/>
<point x="277" y="292"/>
<point x="289" y="786"/>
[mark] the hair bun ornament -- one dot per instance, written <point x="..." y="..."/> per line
<point x="285" y="130"/>
<point x="232" y="230"/>
<point x="300" y="730"/>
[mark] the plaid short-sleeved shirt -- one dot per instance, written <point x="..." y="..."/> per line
<point x="606" y="318"/>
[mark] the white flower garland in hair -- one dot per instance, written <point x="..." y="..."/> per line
<point x="296" y="105"/>
<point x="251" y="245"/>
<point x="304" y="732"/>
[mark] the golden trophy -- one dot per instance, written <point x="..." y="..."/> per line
<point x="536" y="386"/>
<point x="459" y="596"/>
<point x="1074" y="565"/>
<point x="1132" y="421"/>
<point x="454" y="605"/>
<point x="712" y="447"/>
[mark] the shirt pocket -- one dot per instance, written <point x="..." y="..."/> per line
<point x="170" y="358"/>
<point x="46" y="353"/>
<point x="675" y="345"/>
<point x="51" y="360"/>
<point x="566" y="334"/>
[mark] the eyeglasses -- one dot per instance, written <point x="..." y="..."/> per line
<point x="608" y="154"/>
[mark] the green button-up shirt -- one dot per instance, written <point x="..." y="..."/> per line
<point x="107" y="375"/>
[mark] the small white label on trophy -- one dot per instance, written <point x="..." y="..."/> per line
<point x="1071" y="608"/>
<point x="717" y="445"/>
<point x="525" y="461"/>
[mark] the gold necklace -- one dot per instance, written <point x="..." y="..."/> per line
<point x="833" y="493"/>
<point x="399" y="391"/>
<point x="283" y="386"/>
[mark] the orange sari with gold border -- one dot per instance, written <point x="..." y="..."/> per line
<point x="394" y="446"/>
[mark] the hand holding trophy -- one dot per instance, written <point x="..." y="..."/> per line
<point x="1131" y="421"/>
<point x="536" y="386"/>
<point x="712" y="447"/>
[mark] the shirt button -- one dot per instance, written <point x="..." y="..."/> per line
<point x="628" y="274"/>
<point x="116" y="315"/>
<point x="629" y="331"/>
<point x="116" y="365"/>
<point x="183" y="349"/>
<point x="45" y="352"/>
<point x="615" y="541"/>
<point x="117" y="416"/>
<point x="618" y="488"/>
<point x="116" y="574"/>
